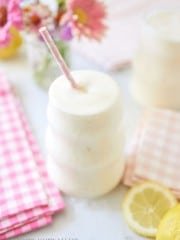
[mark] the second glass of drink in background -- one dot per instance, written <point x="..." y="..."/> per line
<point x="156" y="77"/>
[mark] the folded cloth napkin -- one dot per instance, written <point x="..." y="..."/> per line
<point x="155" y="151"/>
<point x="119" y="44"/>
<point x="28" y="197"/>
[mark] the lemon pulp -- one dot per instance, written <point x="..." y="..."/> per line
<point x="145" y="205"/>
<point x="169" y="228"/>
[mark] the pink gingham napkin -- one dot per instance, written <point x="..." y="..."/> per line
<point x="28" y="196"/>
<point x="155" y="152"/>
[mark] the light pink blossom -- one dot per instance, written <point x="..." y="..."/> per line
<point x="37" y="15"/>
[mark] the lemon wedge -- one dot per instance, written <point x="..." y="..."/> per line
<point x="11" y="49"/>
<point x="144" y="206"/>
<point x="169" y="228"/>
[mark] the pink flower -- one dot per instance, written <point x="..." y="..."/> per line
<point x="10" y="15"/>
<point x="86" y="18"/>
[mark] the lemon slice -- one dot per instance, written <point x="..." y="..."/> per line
<point x="144" y="206"/>
<point x="169" y="228"/>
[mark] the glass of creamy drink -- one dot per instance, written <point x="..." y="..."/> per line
<point x="156" y="77"/>
<point x="85" y="137"/>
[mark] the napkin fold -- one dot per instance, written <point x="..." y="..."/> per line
<point x="155" y="151"/>
<point x="28" y="197"/>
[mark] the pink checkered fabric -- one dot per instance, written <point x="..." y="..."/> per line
<point x="22" y="218"/>
<point x="56" y="202"/>
<point x="155" y="152"/>
<point x="39" y="223"/>
<point x="10" y="106"/>
<point x="20" y="183"/>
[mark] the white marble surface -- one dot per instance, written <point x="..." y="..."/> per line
<point x="82" y="219"/>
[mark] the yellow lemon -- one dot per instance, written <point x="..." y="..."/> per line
<point x="11" y="49"/>
<point x="144" y="206"/>
<point x="169" y="228"/>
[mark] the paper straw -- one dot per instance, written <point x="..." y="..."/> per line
<point x="57" y="55"/>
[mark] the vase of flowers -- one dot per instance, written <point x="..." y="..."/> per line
<point x="72" y="18"/>
<point x="43" y="67"/>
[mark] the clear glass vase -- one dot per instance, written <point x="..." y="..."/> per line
<point x="43" y="66"/>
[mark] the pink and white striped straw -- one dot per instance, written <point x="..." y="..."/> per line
<point x="57" y="55"/>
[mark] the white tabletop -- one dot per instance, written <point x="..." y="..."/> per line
<point x="82" y="219"/>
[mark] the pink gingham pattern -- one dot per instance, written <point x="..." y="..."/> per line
<point x="47" y="200"/>
<point x="56" y="202"/>
<point x="19" y="176"/>
<point x="41" y="222"/>
<point x="155" y="153"/>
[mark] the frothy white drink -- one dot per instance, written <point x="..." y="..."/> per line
<point x="156" y="80"/>
<point x="85" y="138"/>
<point x="167" y="23"/>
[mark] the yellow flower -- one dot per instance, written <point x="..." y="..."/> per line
<point x="11" y="49"/>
